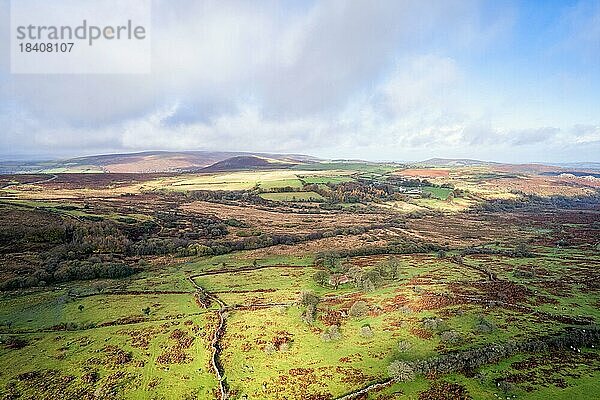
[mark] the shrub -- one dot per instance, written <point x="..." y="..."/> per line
<point x="482" y="325"/>
<point x="331" y="333"/>
<point x="270" y="348"/>
<point x="434" y="324"/>
<point x="401" y="371"/>
<point x="285" y="346"/>
<point x="366" y="332"/>
<point x="309" y="314"/>
<point x="308" y="298"/>
<point x="359" y="309"/>
<point x="15" y="342"/>
<point x="404" y="346"/>
<point x="505" y="386"/>
<point x="321" y="277"/>
<point x="367" y="285"/>
<point x="450" y="337"/>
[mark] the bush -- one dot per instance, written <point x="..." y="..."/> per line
<point x="270" y="348"/>
<point x="482" y="325"/>
<point x="321" y="277"/>
<point x="331" y="333"/>
<point x="505" y="386"/>
<point x="15" y="342"/>
<point x="401" y="371"/>
<point x="309" y="314"/>
<point x="366" y="332"/>
<point x="308" y="298"/>
<point x="359" y="309"/>
<point x="434" y="324"/>
<point x="404" y="346"/>
<point x="450" y="337"/>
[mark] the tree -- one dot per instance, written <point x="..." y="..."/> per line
<point x="522" y="250"/>
<point x="310" y="301"/>
<point x="401" y="371"/>
<point x="321" y="277"/>
<point x="388" y="269"/>
<point x="146" y="311"/>
<point x="458" y="259"/>
<point x="80" y="307"/>
<point x="309" y="314"/>
<point x="367" y="285"/>
<point x="329" y="260"/>
<point x="308" y="298"/>
<point x="482" y="325"/>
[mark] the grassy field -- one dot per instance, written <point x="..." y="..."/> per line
<point x="222" y="279"/>
<point x="292" y="196"/>
<point x="439" y="193"/>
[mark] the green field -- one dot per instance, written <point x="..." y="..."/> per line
<point x="307" y="296"/>
<point x="292" y="196"/>
<point x="309" y="180"/>
<point x="437" y="192"/>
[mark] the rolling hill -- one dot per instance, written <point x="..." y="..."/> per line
<point x="453" y="162"/>
<point x="247" y="162"/>
<point x="154" y="161"/>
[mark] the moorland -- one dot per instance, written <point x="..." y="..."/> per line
<point x="161" y="276"/>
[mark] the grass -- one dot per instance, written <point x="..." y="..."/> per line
<point x="310" y="366"/>
<point x="239" y="180"/>
<point x="268" y="185"/>
<point x="456" y="205"/>
<point x="77" y="353"/>
<point x="439" y="193"/>
<point x="75" y="210"/>
<point x="292" y="196"/>
<point x="321" y="180"/>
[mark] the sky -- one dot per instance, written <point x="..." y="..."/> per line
<point x="509" y="81"/>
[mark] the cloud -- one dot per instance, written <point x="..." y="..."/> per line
<point x="387" y="79"/>
<point x="586" y="134"/>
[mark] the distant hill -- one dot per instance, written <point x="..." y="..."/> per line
<point x="146" y="162"/>
<point x="578" y="165"/>
<point x="238" y="163"/>
<point x="454" y="162"/>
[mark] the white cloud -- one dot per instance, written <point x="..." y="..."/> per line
<point x="386" y="79"/>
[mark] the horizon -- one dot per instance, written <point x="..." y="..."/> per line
<point x="512" y="81"/>
<point x="48" y="158"/>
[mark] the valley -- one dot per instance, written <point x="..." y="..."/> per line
<point x="286" y="277"/>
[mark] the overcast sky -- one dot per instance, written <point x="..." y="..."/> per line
<point x="378" y="80"/>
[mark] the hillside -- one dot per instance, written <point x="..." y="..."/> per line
<point x="246" y="162"/>
<point x="143" y="162"/>
<point x="454" y="162"/>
